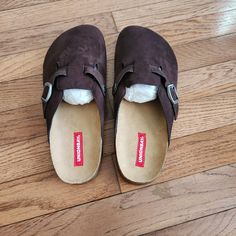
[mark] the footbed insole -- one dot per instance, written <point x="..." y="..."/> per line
<point x="141" y="140"/>
<point x="75" y="142"/>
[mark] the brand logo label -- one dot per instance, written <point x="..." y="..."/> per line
<point x="78" y="149"/>
<point x="141" y="149"/>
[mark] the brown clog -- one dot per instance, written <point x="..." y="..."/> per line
<point x="143" y="130"/>
<point x="75" y="60"/>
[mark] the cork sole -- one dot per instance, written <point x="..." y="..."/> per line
<point x="146" y="118"/>
<point x="67" y="120"/>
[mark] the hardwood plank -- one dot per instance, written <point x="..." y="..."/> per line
<point x="45" y="193"/>
<point x="151" y="208"/>
<point x="22" y="124"/>
<point x="223" y="223"/>
<point x="181" y="31"/>
<point x="30" y="92"/>
<point x="190" y="56"/>
<point x="177" y="32"/>
<point x="30" y="63"/>
<point x="27" y="91"/>
<point x="205" y="52"/>
<point x="24" y="158"/>
<point x="195" y="83"/>
<point x="197" y="28"/>
<point x="21" y="93"/>
<point x="195" y="116"/>
<point x="108" y="147"/>
<point x="19" y="137"/>
<point x="110" y="95"/>
<point x="110" y="46"/>
<point x="166" y="11"/>
<point x="18" y="133"/>
<point x="207" y="81"/>
<point x="203" y="137"/>
<point x="27" y="123"/>
<point x="42" y="36"/>
<point x="110" y="73"/>
<point x="21" y="65"/>
<point x="205" y="114"/>
<point x="193" y="154"/>
<point x="12" y="4"/>
<point x="56" y="11"/>
<point x="204" y="152"/>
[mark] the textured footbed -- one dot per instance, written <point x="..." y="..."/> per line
<point x="67" y="120"/>
<point x="134" y="118"/>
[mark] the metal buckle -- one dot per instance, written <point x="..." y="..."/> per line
<point x="171" y="88"/>
<point x="49" y="93"/>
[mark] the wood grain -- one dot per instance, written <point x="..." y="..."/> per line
<point x="207" y="81"/>
<point x="195" y="116"/>
<point x="24" y="158"/>
<point x="195" y="153"/>
<point x="22" y="124"/>
<point x="42" y="36"/>
<point x="168" y="11"/>
<point x="22" y="65"/>
<point x="30" y="63"/>
<point x="223" y="223"/>
<point x="190" y="56"/>
<point x="56" y="11"/>
<point x="32" y="156"/>
<point x="21" y="93"/>
<point x="204" y="151"/>
<point x="14" y="131"/>
<point x="27" y="91"/>
<point x="151" y="208"/>
<point x="44" y="193"/>
<point x="192" y="84"/>
<point x="195" y="83"/>
<point x="12" y="4"/>
<point x="27" y="122"/>
<point x="205" y="114"/>
<point x="198" y="28"/>
<point x="176" y="32"/>
<point x="190" y="194"/>
<point x="205" y="52"/>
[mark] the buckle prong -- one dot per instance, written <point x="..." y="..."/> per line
<point x="171" y="88"/>
<point x="49" y="93"/>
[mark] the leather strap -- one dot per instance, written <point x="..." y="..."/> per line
<point x="120" y="76"/>
<point x="169" y="87"/>
<point x="97" y="76"/>
<point x="50" y="86"/>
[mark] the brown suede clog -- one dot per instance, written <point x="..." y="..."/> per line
<point x="143" y="130"/>
<point x="75" y="60"/>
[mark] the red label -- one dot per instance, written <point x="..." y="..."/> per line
<point x="141" y="148"/>
<point x="78" y="149"/>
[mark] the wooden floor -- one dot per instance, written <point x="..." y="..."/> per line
<point x="196" y="191"/>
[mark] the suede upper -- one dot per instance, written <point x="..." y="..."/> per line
<point x="144" y="57"/>
<point x="76" y="59"/>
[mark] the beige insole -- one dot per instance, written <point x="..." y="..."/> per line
<point x="145" y="118"/>
<point x="67" y="122"/>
